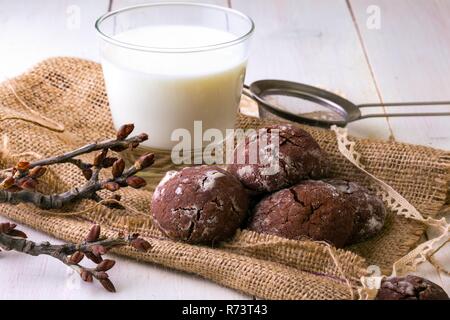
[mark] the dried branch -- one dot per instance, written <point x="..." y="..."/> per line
<point x="19" y="185"/>
<point x="71" y="255"/>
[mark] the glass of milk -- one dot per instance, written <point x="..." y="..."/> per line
<point x="167" y="65"/>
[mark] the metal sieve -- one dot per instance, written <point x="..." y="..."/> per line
<point x="311" y="105"/>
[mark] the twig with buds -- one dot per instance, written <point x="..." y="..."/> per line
<point x="93" y="248"/>
<point x="19" y="185"/>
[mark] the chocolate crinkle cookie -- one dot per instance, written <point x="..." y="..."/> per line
<point x="336" y="211"/>
<point x="300" y="158"/>
<point x="311" y="209"/>
<point x="202" y="204"/>
<point x="410" y="288"/>
<point x="369" y="210"/>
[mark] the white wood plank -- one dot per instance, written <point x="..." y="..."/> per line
<point x="314" y="42"/>
<point x="307" y="41"/>
<point x="26" y="277"/>
<point x="410" y="57"/>
<point x="35" y="30"/>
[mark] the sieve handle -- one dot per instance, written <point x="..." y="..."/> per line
<point x="405" y="104"/>
<point x="246" y="91"/>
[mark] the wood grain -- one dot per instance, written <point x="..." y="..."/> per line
<point x="313" y="42"/>
<point x="26" y="277"/>
<point x="31" y="31"/>
<point x="410" y="58"/>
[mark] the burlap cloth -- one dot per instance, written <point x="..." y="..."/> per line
<point x="69" y="93"/>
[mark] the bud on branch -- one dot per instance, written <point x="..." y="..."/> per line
<point x="19" y="185"/>
<point x="72" y="254"/>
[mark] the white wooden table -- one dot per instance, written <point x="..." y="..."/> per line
<point x="368" y="50"/>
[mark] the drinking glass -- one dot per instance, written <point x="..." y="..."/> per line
<point x="169" y="65"/>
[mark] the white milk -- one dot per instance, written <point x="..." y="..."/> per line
<point x="160" y="92"/>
